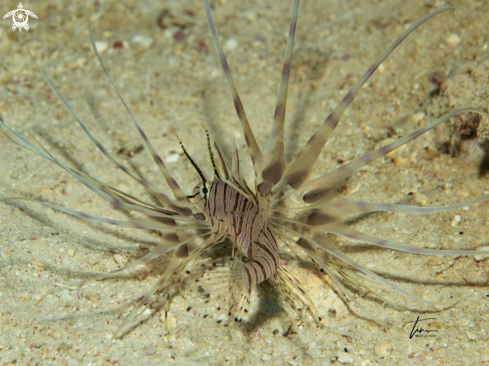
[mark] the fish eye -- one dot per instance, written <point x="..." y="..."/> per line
<point x="203" y="191"/>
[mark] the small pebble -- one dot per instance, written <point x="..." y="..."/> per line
<point x="172" y="321"/>
<point x="38" y="265"/>
<point x="71" y="252"/>
<point x="120" y="259"/>
<point x="346" y="359"/>
<point x="101" y="46"/>
<point x="418" y="117"/>
<point x="431" y="245"/>
<point x="179" y="36"/>
<point x="93" y="297"/>
<point x="456" y="220"/>
<point x="383" y="349"/>
<point x="421" y="198"/>
<point x="142" y="41"/>
<point x="78" y="64"/>
<point x="453" y="39"/>
<point x="381" y="70"/>
<point x="482" y="257"/>
<point x="146" y="312"/>
<point x="230" y="45"/>
<point x="149" y="350"/>
<point x="249" y="15"/>
<point x="202" y="47"/>
<point x="173" y="158"/>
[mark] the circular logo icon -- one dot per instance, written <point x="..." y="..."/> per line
<point x="20" y="18"/>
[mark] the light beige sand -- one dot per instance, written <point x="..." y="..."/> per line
<point x="46" y="318"/>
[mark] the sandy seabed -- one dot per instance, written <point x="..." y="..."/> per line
<point x="165" y="65"/>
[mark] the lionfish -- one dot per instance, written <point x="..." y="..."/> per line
<point x="253" y="220"/>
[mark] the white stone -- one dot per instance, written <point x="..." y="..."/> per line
<point x="249" y="15"/>
<point x="417" y="117"/>
<point x="381" y="69"/>
<point x="430" y="245"/>
<point x="101" y="46"/>
<point x="421" y="198"/>
<point x="482" y="257"/>
<point x="142" y="41"/>
<point x="346" y="358"/>
<point x="453" y="39"/>
<point x="230" y="45"/>
<point x="173" y="158"/>
<point x="456" y="220"/>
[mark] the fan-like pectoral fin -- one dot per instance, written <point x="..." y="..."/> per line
<point x="174" y="264"/>
<point x="172" y="275"/>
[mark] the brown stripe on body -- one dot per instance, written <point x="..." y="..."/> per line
<point x="235" y="216"/>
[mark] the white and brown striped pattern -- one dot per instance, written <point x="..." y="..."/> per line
<point x="233" y="215"/>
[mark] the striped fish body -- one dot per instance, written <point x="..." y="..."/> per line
<point x="233" y="215"/>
